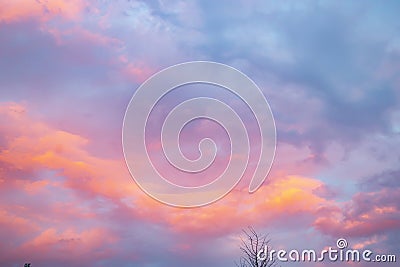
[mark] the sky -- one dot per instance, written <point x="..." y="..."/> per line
<point x="330" y="71"/>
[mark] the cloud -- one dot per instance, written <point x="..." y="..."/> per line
<point x="82" y="191"/>
<point x="35" y="146"/>
<point x="272" y="205"/>
<point x="365" y="215"/>
<point x="68" y="70"/>
<point x="386" y="179"/>
<point x="42" y="10"/>
<point x="310" y="61"/>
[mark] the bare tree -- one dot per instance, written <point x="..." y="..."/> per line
<point x="251" y="245"/>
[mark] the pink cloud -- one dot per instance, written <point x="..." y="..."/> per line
<point x="366" y="214"/>
<point x="34" y="147"/>
<point x="11" y="11"/>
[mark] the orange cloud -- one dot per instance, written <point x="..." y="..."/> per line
<point x="31" y="147"/>
<point x="43" y="10"/>
<point x="281" y="199"/>
<point x="34" y="145"/>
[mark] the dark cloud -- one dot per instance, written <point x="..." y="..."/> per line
<point x="386" y="179"/>
<point x="326" y="50"/>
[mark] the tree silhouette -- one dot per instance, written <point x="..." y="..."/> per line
<point x="250" y="246"/>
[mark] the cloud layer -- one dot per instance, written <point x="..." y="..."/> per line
<point x="329" y="70"/>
